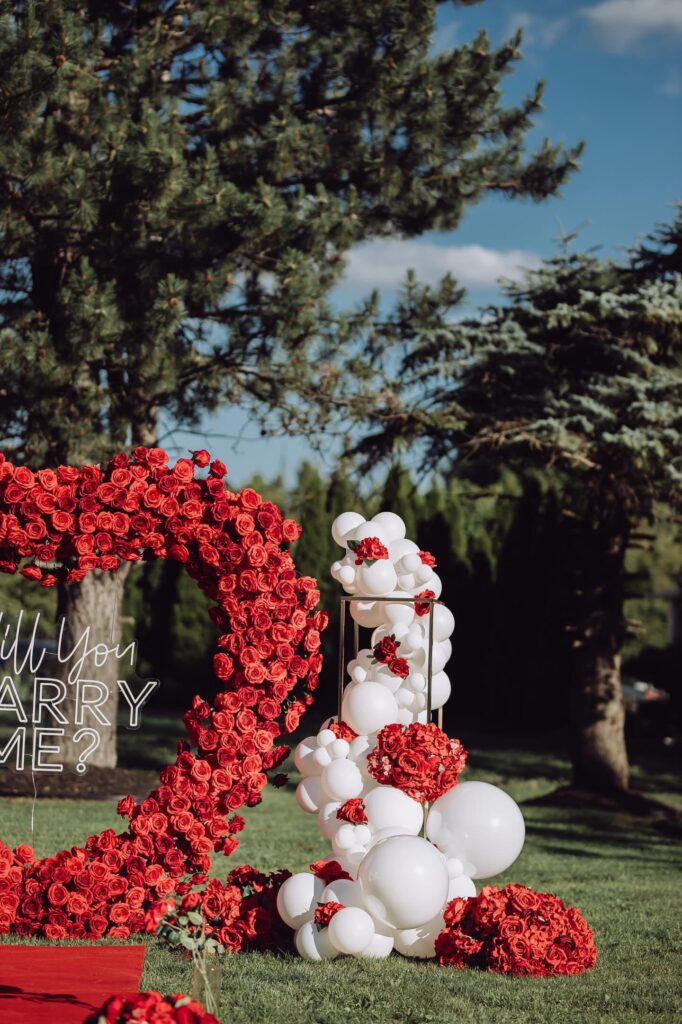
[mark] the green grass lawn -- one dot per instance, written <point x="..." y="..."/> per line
<point x="623" y="874"/>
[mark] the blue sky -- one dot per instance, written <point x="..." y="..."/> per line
<point x="613" y="72"/>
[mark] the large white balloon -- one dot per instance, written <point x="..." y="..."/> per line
<point x="479" y="824"/>
<point x="392" y="525"/>
<point x="404" y="881"/>
<point x="368" y="707"/>
<point x="313" y="943"/>
<point x="343" y="524"/>
<point x="298" y="897"/>
<point x="420" y="942"/>
<point x="443" y="622"/>
<point x="351" y="930"/>
<point x="387" y="807"/>
<point x="398" y="548"/>
<point x="327" y="821"/>
<point x="341" y="780"/>
<point x="309" y="795"/>
<point x="440" y="690"/>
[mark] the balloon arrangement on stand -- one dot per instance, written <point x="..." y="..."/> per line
<point x="383" y="773"/>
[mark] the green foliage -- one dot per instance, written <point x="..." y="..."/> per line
<point x="179" y="183"/>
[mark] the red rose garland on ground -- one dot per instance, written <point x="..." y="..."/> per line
<point x="515" y="930"/>
<point x="268" y="662"/>
<point x="152" y="1008"/>
<point x="421" y="760"/>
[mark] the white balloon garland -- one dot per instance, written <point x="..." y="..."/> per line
<point x="400" y="882"/>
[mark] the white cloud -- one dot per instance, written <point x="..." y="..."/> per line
<point x="620" y="24"/>
<point x="537" y="30"/>
<point x="383" y="263"/>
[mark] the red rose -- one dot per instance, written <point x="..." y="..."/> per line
<point x="201" y="458"/>
<point x="325" y="912"/>
<point x="352" y="811"/>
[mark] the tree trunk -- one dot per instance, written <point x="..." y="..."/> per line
<point x="92" y="610"/>
<point x="600" y="760"/>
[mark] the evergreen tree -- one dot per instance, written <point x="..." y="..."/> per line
<point x="179" y="182"/>
<point x="580" y="377"/>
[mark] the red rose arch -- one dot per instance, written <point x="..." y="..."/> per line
<point x="234" y="545"/>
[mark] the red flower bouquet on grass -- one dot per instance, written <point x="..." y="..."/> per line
<point x="515" y="930"/>
<point x="421" y="760"/>
<point x="151" y="1008"/>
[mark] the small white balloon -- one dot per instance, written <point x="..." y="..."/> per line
<point x="368" y="707"/>
<point x="351" y="930"/>
<point x="397" y="549"/>
<point x="479" y="824"/>
<point x="322" y="757"/>
<point x="345" y="892"/>
<point x="341" y="780"/>
<point x="454" y="866"/>
<point x="339" y="748"/>
<point x="405" y="716"/>
<point x="391" y="524"/>
<point x="358" y="673"/>
<point x="298" y="897"/>
<point x="367" y="613"/>
<point x="388" y="807"/>
<point x="344" y="839"/>
<point x="423" y="574"/>
<point x="325" y="737"/>
<point x="461" y="886"/>
<point x="313" y="943"/>
<point x="440" y="690"/>
<point x="443" y="622"/>
<point x="309" y="795"/>
<point x="420" y="943"/>
<point x="407" y="581"/>
<point x="359" y="746"/>
<point x="379" y="948"/>
<point x="343" y="524"/>
<point x="417" y="682"/>
<point x="404" y="881"/>
<point x="363" y="834"/>
<point x="347" y="575"/>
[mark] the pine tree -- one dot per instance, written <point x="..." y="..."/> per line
<point x="579" y="376"/>
<point x="179" y="182"/>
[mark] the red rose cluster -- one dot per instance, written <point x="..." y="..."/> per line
<point x="421" y="760"/>
<point x="386" y="651"/>
<point x="369" y="550"/>
<point x="240" y="913"/>
<point x="152" y="1008"/>
<point x="325" y="913"/>
<point x="516" y="931"/>
<point x="268" y="661"/>
<point x="352" y="811"/>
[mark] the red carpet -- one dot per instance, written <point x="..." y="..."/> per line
<point x="63" y="984"/>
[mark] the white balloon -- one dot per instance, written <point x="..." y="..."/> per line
<point x="400" y="613"/>
<point x="368" y="707"/>
<point x="322" y="757"/>
<point x="363" y="834"/>
<point x="423" y="574"/>
<point x="344" y="839"/>
<point x="358" y="673"/>
<point x="347" y="574"/>
<point x="392" y="525"/>
<point x="313" y="943"/>
<point x="387" y="807"/>
<point x="379" y="948"/>
<point x="359" y="746"/>
<point x="386" y="833"/>
<point x="454" y="866"/>
<point x="343" y="524"/>
<point x="356" y="854"/>
<point x="404" y="881"/>
<point x="366" y="613"/>
<point x="351" y="930"/>
<point x="398" y="548"/>
<point x="325" y="737"/>
<point x="420" y="943"/>
<point x="443" y="622"/>
<point x="407" y="581"/>
<point x="303" y="756"/>
<point x="309" y="795"/>
<point x="440" y="690"/>
<point x="341" y="780"/>
<point x="417" y="682"/>
<point x="298" y="897"/>
<point x="370" y="529"/>
<point x="327" y="821"/>
<point x="409" y="563"/>
<point x="461" y="886"/>
<point x="377" y="579"/>
<point x="339" y="748"/>
<point x="345" y="892"/>
<point x="479" y="824"/>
